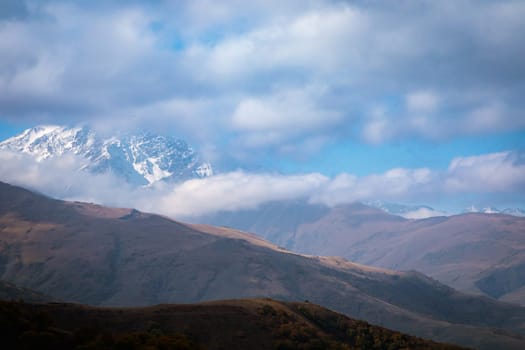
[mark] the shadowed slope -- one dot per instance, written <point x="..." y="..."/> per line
<point x="233" y="324"/>
<point x="479" y="253"/>
<point x="9" y="291"/>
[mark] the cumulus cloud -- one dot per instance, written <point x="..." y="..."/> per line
<point x="423" y="213"/>
<point x="237" y="190"/>
<point x="281" y="117"/>
<point x="378" y="127"/>
<point x="394" y="184"/>
<point x="494" y="172"/>
<point x="61" y="177"/>
<point x="310" y="40"/>
<point x="239" y="69"/>
<point x="422" y="101"/>
<point x="292" y="110"/>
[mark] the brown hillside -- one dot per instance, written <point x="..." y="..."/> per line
<point x="85" y="253"/>
<point x="476" y="253"/>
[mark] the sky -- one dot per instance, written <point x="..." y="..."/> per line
<point x="354" y="93"/>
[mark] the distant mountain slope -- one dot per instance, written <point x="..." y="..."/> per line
<point x="282" y="222"/>
<point x="139" y="159"/>
<point x="9" y="291"/>
<point x="480" y="253"/>
<point x="103" y="256"/>
<point x="406" y="211"/>
<point x="256" y="324"/>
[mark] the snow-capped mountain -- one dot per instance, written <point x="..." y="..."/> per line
<point x="140" y="159"/>
<point x="514" y="212"/>
<point x="492" y="210"/>
<point x="406" y="211"/>
<point x="423" y="211"/>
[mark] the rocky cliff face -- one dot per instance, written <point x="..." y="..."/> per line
<point x="140" y="159"/>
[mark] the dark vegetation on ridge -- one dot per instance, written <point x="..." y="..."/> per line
<point x="9" y="291"/>
<point x="235" y="324"/>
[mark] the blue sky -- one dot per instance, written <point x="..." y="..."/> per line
<point x="295" y="87"/>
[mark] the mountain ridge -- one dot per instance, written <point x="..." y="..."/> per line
<point x="469" y="251"/>
<point x="120" y="257"/>
<point x="228" y="324"/>
<point x="140" y="159"/>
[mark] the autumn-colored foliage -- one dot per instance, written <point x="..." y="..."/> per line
<point x="23" y="330"/>
<point x="235" y="324"/>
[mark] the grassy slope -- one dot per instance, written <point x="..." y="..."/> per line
<point x="104" y="256"/>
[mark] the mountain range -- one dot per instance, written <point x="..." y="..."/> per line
<point x="491" y="210"/>
<point x="425" y="211"/>
<point x="144" y="158"/>
<point x="95" y="255"/>
<point x="475" y="252"/>
<point x="139" y="159"/>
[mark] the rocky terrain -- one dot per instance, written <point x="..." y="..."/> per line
<point x="139" y="159"/>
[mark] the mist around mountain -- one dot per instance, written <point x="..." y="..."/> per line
<point x="406" y="211"/>
<point x="95" y="255"/>
<point x="425" y="211"/>
<point x="153" y="173"/>
<point x="476" y="252"/>
<point x="139" y="159"/>
<point x="491" y="210"/>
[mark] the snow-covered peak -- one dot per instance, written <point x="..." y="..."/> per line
<point x="492" y="210"/>
<point x="204" y="170"/>
<point x="29" y="136"/>
<point x="471" y="209"/>
<point x="486" y="210"/>
<point x="423" y="211"/>
<point x="140" y="159"/>
<point x="46" y="141"/>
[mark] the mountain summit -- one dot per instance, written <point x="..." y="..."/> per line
<point x="141" y="159"/>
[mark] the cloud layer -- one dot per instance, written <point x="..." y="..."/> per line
<point x="498" y="173"/>
<point x="267" y="75"/>
<point x="251" y="82"/>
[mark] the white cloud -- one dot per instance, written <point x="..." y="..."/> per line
<point x="319" y="40"/>
<point x="378" y="127"/>
<point x="237" y="190"/>
<point x="493" y="172"/>
<point x="423" y="213"/>
<point x="393" y="184"/>
<point x="60" y="177"/>
<point x="255" y="63"/>
<point x="486" y="118"/>
<point x="40" y="80"/>
<point x="285" y="112"/>
<point x="422" y="101"/>
<point x="275" y="77"/>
